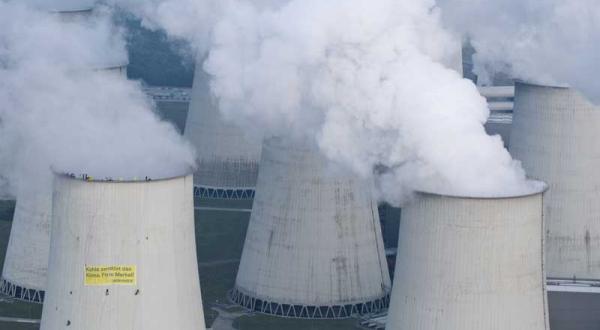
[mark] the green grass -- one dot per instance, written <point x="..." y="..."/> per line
<point x="12" y="308"/>
<point x="215" y="282"/>
<point x="219" y="242"/>
<point x="220" y="235"/>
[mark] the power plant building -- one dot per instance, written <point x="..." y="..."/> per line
<point x="227" y="156"/>
<point x="123" y="256"/>
<point x="556" y="134"/>
<point x="313" y="247"/>
<point x="470" y="263"/>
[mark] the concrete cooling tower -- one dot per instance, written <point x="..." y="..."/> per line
<point x="26" y="263"/>
<point x="123" y="256"/>
<point x="470" y="264"/>
<point x="556" y="134"/>
<point x="227" y="156"/>
<point x="313" y="247"/>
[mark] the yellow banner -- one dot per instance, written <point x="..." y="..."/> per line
<point x="111" y="275"/>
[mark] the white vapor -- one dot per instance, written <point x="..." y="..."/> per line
<point x="552" y="42"/>
<point x="190" y="20"/>
<point x="60" y="5"/>
<point x="60" y="110"/>
<point x="364" y="80"/>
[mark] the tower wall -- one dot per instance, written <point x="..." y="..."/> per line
<point x="556" y="134"/>
<point x="145" y="231"/>
<point x="467" y="263"/>
<point x="26" y="262"/>
<point x="314" y="247"/>
<point x="24" y="274"/>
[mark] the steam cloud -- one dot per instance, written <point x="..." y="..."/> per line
<point x="552" y="42"/>
<point x="364" y="80"/>
<point x="60" y="5"/>
<point x="60" y="110"/>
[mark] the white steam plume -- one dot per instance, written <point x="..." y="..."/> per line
<point x="59" y="110"/>
<point x="60" y="5"/>
<point x="190" y="20"/>
<point x="554" y="42"/>
<point x="363" y="80"/>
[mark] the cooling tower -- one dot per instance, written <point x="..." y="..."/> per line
<point x="123" y="256"/>
<point x="556" y="134"/>
<point x="26" y="262"/>
<point x="470" y="264"/>
<point x="227" y="156"/>
<point x="313" y="247"/>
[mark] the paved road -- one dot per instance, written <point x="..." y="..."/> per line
<point x="225" y="319"/>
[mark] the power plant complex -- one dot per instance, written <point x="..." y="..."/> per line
<point x="124" y="254"/>
<point x="313" y="247"/>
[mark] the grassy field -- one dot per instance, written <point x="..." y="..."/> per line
<point x="219" y="240"/>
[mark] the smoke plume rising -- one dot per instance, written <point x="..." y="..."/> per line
<point x="368" y="81"/>
<point x="60" y="109"/>
<point x="552" y="42"/>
